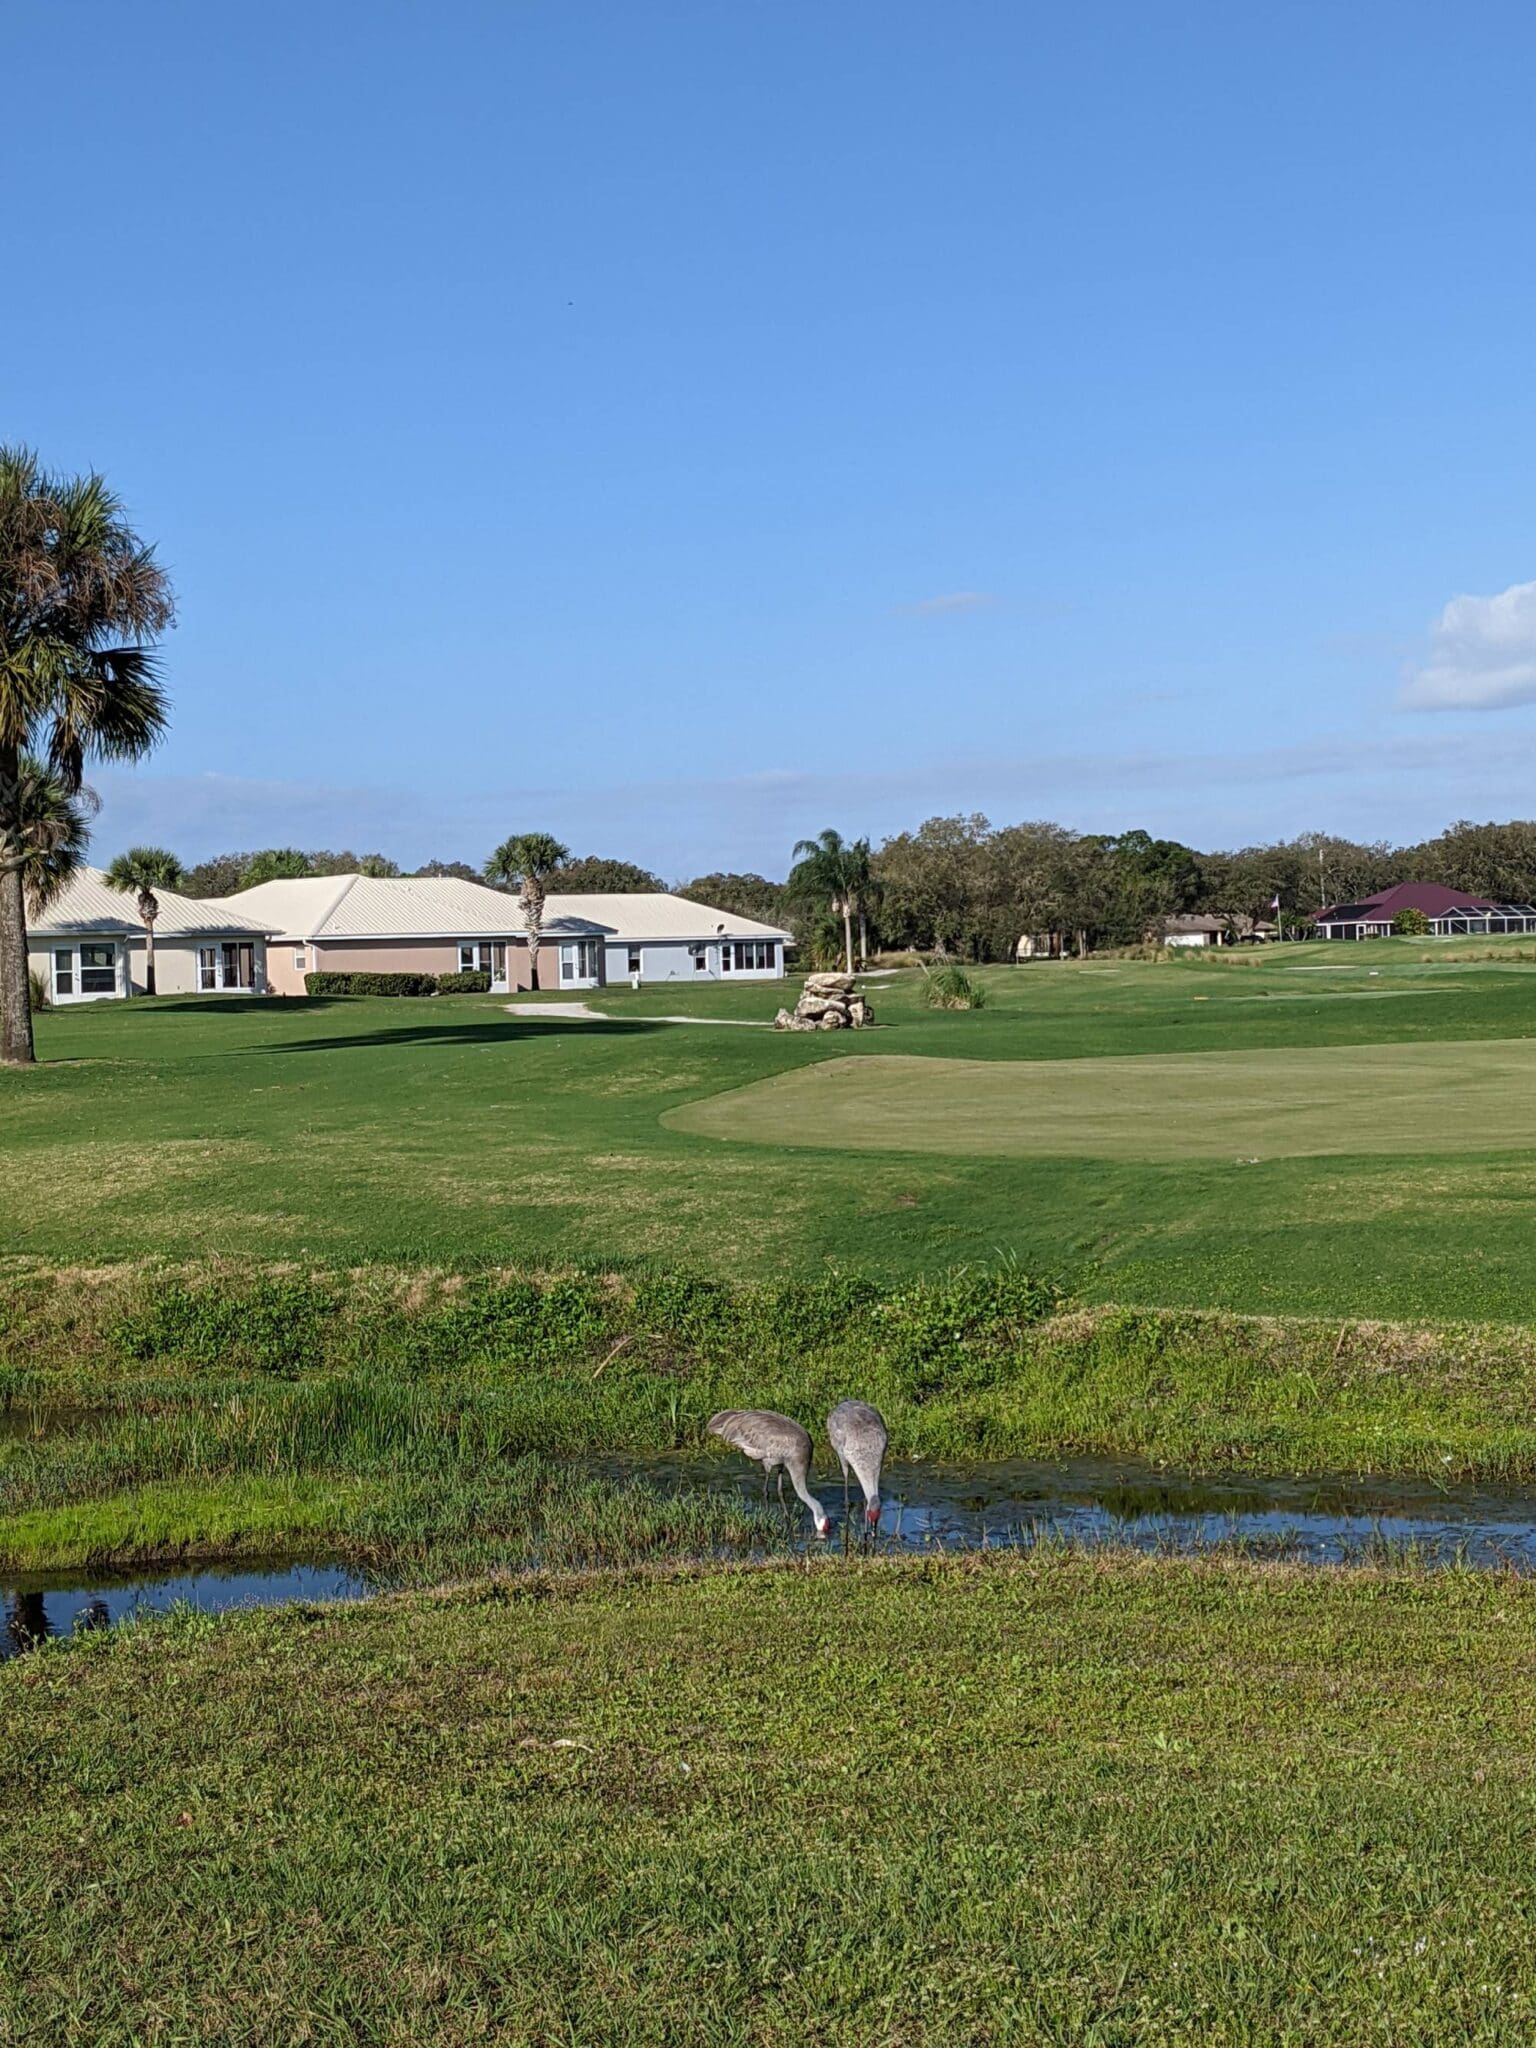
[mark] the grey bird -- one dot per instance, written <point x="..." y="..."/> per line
<point x="858" y="1434"/>
<point x="778" y="1445"/>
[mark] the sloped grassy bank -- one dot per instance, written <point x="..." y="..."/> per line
<point x="1040" y="1799"/>
<point x="419" y="1419"/>
<point x="982" y="1362"/>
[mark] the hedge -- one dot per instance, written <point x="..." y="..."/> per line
<point x="475" y="983"/>
<point x="370" y="984"/>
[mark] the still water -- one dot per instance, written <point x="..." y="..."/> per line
<point x="1323" y="1521"/>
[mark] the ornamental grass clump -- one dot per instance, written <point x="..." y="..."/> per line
<point x="951" y="988"/>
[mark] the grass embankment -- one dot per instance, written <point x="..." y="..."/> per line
<point x="402" y="1417"/>
<point x="1044" y="1800"/>
<point x="450" y="1134"/>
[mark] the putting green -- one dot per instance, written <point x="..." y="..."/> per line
<point x="1473" y="1096"/>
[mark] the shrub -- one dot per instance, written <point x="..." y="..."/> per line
<point x="326" y="984"/>
<point x="951" y="988"/>
<point x="1411" y="924"/>
<point x="274" y="1325"/>
<point x="962" y="1330"/>
<point x="37" y="989"/>
<point x="469" y="982"/>
<point x="394" y="984"/>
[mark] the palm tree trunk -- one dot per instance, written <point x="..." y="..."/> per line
<point x="15" y="997"/>
<point x="149" y="959"/>
<point x="533" y="924"/>
<point x="848" y="931"/>
<point x="863" y="936"/>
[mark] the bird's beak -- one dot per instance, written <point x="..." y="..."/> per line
<point x="872" y="1516"/>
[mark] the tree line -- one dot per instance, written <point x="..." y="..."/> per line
<point x="83" y="602"/>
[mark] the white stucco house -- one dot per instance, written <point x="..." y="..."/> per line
<point x="90" y="944"/>
<point x="441" y="924"/>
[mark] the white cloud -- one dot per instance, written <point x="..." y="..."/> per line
<point x="1482" y="654"/>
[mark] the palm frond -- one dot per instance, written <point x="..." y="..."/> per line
<point x="48" y="826"/>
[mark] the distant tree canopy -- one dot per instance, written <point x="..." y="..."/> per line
<point x="964" y="887"/>
<point x="225" y="873"/>
<point x="457" y="870"/>
<point x="593" y="875"/>
<point x="751" y="896"/>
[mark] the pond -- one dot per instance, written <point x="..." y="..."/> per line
<point x="1326" y="1520"/>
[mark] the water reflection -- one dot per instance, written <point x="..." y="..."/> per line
<point x="1322" y="1520"/>
<point x="1326" y="1519"/>
<point x="56" y="1605"/>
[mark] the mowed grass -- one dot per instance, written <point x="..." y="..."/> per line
<point x="1053" y="1799"/>
<point x="1298" y="1103"/>
<point x="451" y="1134"/>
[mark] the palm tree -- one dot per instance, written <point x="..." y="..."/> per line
<point x="141" y="871"/>
<point x="82" y="600"/>
<point x="864" y="888"/>
<point x="525" y="862"/>
<point x="55" y="831"/>
<point x="53" y="836"/>
<point x="827" y="868"/>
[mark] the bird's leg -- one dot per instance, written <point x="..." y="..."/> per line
<point x="781" y="1486"/>
<point x="844" y="1463"/>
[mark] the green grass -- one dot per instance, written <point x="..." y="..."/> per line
<point x="350" y="1132"/>
<point x="1302" y="1102"/>
<point x="1052" y="1800"/>
<point x="408" y="1482"/>
<point x="410" y="1420"/>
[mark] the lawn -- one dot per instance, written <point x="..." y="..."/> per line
<point x="450" y="1134"/>
<point x="1047" y="1800"/>
<point x="1243" y="1107"/>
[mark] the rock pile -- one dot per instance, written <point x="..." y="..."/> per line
<point x="828" y="1002"/>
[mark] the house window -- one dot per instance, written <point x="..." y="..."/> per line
<point x="239" y="962"/>
<point x="299" y="960"/>
<point x="466" y="956"/>
<point x="700" y="959"/>
<point x="64" y="972"/>
<point x="578" y="961"/>
<point x="207" y="967"/>
<point x="634" y="960"/>
<point x="751" y="954"/>
<point x="98" y="970"/>
<point x="725" y="959"/>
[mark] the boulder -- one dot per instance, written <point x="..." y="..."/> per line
<point x="829" y="1002"/>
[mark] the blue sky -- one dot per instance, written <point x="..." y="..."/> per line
<point x="682" y="424"/>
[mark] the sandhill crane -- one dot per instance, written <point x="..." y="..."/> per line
<point x="778" y="1445"/>
<point x="858" y="1435"/>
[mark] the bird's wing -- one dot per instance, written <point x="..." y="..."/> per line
<point x="735" y="1426"/>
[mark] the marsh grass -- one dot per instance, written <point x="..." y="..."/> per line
<point x="401" y="1478"/>
<point x="982" y="1361"/>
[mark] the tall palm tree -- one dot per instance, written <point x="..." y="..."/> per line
<point x="82" y="601"/>
<point x="140" y="872"/>
<point x="827" y="868"/>
<point x="864" y="888"/>
<point x="525" y="862"/>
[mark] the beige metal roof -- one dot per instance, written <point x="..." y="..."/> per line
<point x="365" y="907"/>
<point x="90" y="904"/>
<point x="660" y="917"/>
<point x="446" y="907"/>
